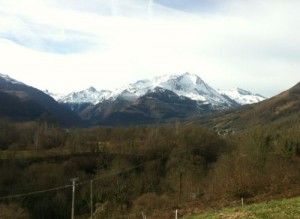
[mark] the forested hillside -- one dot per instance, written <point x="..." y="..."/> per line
<point x="149" y="169"/>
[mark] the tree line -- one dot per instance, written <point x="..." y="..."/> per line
<point x="143" y="168"/>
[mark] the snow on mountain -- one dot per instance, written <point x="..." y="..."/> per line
<point x="242" y="96"/>
<point x="55" y="96"/>
<point x="9" y="79"/>
<point x="187" y="85"/>
<point x="132" y="91"/>
<point x="191" y="86"/>
<point x="90" y="95"/>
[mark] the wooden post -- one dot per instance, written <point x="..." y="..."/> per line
<point x="143" y="215"/>
<point x="176" y="214"/>
<point x="73" y="196"/>
<point x="91" y="199"/>
<point x="180" y="187"/>
<point x="242" y="200"/>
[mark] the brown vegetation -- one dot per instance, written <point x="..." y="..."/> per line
<point x="144" y="169"/>
<point x="280" y="108"/>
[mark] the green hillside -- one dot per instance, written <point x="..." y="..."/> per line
<point x="286" y="208"/>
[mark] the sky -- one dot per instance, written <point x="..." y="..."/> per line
<point x="70" y="45"/>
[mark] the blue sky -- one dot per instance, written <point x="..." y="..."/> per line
<point x="70" y="45"/>
<point x="192" y="6"/>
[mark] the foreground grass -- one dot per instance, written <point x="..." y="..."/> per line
<point x="282" y="209"/>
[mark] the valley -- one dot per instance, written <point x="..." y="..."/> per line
<point x="149" y="109"/>
<point x="148" y="156"/>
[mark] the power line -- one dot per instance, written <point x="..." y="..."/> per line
<point x="81" y="183"/>
<point x="84" y="182"/>
<point x="35" y="192"/>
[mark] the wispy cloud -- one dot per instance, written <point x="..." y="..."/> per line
<point x="228" y="43"/>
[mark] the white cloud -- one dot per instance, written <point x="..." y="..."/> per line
<point x="251" y="44"/>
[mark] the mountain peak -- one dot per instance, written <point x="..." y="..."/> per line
<point x="243" y="92"/>
<point x="180" y="77"/>
<point x="191" y="86"/>
<point x="9" y="79"/>
<point x="90" y="95"/>
<point x="92" y="89"/>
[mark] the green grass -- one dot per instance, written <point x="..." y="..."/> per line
<point x="283" y="209"/>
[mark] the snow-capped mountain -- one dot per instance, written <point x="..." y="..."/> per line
<point x="90" y="95"/>
<point x="242" y="96"/>
<point x="9" y="79"/>
<point x="185" y="85"/>
<point x="160" y="99"/>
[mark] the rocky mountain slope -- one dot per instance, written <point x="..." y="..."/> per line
<point x="21" y="102"/>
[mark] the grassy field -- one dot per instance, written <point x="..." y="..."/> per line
<point x="282" y="209"/>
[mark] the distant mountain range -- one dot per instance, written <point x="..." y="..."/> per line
<point x="186" y="85"/>
<point x="163" y="99"/>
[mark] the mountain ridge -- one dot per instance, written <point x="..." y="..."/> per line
<point x="187" y="84"/>
<point x="163" y="99"/>
<point x="22" y="102"/>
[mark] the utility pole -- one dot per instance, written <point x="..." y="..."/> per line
<point x="180" y="186"/>
<point x="73" y="196"/>
<point x="91" y="199"/>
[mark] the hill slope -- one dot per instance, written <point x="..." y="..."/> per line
<point x="21" y="102"/>
<point x="286" y="208"/>
<point x="284" y="106"/>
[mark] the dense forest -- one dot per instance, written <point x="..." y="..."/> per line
<point x="141" y="170"/>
